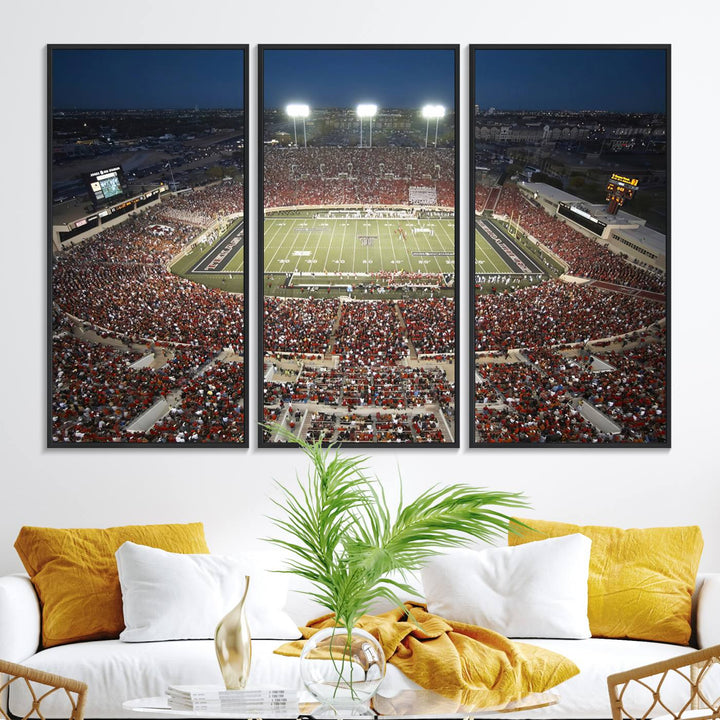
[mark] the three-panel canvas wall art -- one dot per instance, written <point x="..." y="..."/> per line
<point x="399" y="300"/>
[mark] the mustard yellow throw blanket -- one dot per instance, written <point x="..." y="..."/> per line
<point x="468" y="665"/>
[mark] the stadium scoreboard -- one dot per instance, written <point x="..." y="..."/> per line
<point x="105" y="185"/>
<point x="619" y="189"/>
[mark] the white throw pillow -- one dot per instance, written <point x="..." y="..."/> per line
<point x="536" y="590"/>
<point x="176" y="596"/>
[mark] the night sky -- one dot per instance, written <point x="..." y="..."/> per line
<point x="396" y="78"/>
<point x="139" y="78"/>
<point x="620" y="80"/>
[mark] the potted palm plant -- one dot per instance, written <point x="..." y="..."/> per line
<point x="343" y="537"/>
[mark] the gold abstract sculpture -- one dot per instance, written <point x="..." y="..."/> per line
<point x="233" y="646"/>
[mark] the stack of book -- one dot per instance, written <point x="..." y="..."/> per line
<point x="251" y="702"/>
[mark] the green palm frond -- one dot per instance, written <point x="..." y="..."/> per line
<point x="347" y="542"/>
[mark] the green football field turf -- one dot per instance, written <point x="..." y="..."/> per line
<point x="230" y="278"/>
<point x="326" y="246"/>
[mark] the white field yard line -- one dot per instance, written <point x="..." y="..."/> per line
<point x="304" y="249"/>
<point x="355" y="233"/>
<point x="394" y="262"/>
<point x="380" y="241"/>
<point x="450" y="246"/>
<point x="268" y="245"/>
<point x="484" y="261"/>
<point x="317" y="245"/>
<point x="432" y="246"/>
<point x="410" y="267"/>
<point x="341" y="257"/>
<point x="424" y="245"/>
<point x="330" y="244"/>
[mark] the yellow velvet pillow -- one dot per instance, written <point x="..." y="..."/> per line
<point x="641" y="581"/>
<point x="76" y="578"/>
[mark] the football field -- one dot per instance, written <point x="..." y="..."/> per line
<point x="217" y="265"/>
<point x="304" y="245"/>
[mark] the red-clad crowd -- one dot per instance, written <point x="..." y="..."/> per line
<point x="128" y="264"/>
<point x="394" y="386"/>
<point x="117" y="284"/>
<point x="298" y="325"/>
<point x="97" y="394"/>
<point x="203" y="206"/>
<point x="558" y="313"/>
<point x="634" y="394"/>
<point x="211" y="410"/>
<point x="540" y="400"/>
<point x="369" y="334"/>
<point x="585" y="256"/>
<point x="430" y="324"/>
<point x="365" y="176"/>
<point x="380" y="427"/>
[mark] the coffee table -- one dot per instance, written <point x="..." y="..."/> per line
<point x="406" y="705"/>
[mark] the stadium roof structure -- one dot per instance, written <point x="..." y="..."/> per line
<point x="598" y="211"/>
<point x="647" y="237"/>
<point x="628" y="226"/>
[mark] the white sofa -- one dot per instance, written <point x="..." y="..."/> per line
<point x="117" y="671"/>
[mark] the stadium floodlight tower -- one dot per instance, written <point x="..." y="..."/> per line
<point x="297" y="110"/>
<point x="429" y="112"/>
<point x="366" y="110"/>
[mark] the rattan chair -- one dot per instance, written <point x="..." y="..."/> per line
<point x="692" y="679"/>
<point x="41" y="685"/>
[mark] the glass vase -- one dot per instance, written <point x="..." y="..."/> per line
<point x="342" y="670"/>
<point x="233" y="645"/>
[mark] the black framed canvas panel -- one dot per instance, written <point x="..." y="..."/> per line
<point x="147" y="160"/>
<point x="358" y="246"/>
<point x="570" y="245"/>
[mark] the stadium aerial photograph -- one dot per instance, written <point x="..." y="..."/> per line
<point x="570" y="255"/>
<point x="147" y="320"/>
<point x="359" y="244"/>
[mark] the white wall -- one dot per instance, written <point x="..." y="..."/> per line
<point x="227" y="489"/>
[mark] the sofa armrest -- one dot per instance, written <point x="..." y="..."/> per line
<point x="19" y="618"/>
<point x="708" y="610"/>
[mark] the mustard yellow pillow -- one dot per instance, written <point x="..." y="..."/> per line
<point x="75" y="574"/>
<point x="641" y="581"/>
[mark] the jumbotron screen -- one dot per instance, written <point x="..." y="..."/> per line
<point x="105" y="184"/>
<point x="581" y="218"/>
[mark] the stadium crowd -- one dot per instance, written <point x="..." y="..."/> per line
<point x="540" y="400"/>
<point x="369" y="334"/>
<point x="430" y="324"/>
<point x="558" y="313"/>
<point x="96" y="392"/>
<point x="203" y="206"/>
<point x="298" y="325"/>
<point x="117" y="284"/>
<point x="344" y="176"/>
<point x="585" y="257"/>
<point x="211" y="410"/>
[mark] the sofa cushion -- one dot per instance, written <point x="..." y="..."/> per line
<point x="641" y="580"/>
<point x="183" y="596"/>
<point x="530" y="591"/>
<point x="117" y="671"/>
<point x="75" y="574"/>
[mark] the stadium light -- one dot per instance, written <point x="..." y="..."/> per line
<point x="296" y="110"/>
<point x="366" y="110"/>
<point x="429" y="112"/>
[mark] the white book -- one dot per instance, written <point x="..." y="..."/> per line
<point x="218" y="692"/>
<point x="255" y="707"/>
